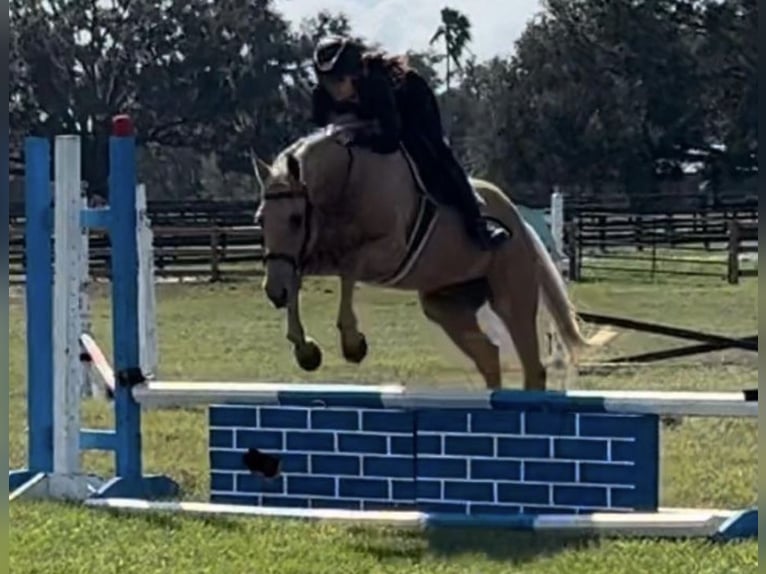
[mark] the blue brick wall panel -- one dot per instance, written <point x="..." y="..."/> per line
<point x="281" y="418"/>
<point x="388" y="467"/>
<point x="364" y="488"/>
<point x="262" y="440"/>
<point x="286" y="501"/>
<point x="226" y="460"/>
<point x="647" y="464"/>
<point x="430" y="489"/>
<point x="469" y="491"/>
<point x="589" y="496"/>
<point x="363" y="443"/>
<point x="252" y="483"/>
<point x="336" y="503"/>
<point x="550" y="471"/>
<point x="238" y="499"/>
<point x="221" y="481"/>
<point x="608" y="426"/>
<point x="388" y="421"/>
<point x="293" y="463"/>
<point x="221" y="439"/>
<point x="334" y="420"/>
<point x="442" y="421"/>
<point x="550" y="424"/>
<point x="496" y="470"/>
<point x="625" y="450"/>
<point x="537" y="509"/>
<point x="446" y="507"/>
<point x="318" y="441"/>
<point x="435" y="467"/>
<point x="494" y="509"/>
<point x="231" y="416"/>
<point x="311" y="485"/>
<point x="340" y="465"/>
<point x="429" y="443"/>
<point x="491" y="422"/>
<point x="524" y="447"/>
<point x="402" y="445"/>
<point x="625" y="498"/>
<point x="579" y="449"/>
<point x="606" y="473"/>
<point x="468" y="446"/>
<point x="403" y="490"/>
<point x="451" y="453"/>
<point x="377" y="505"/>
<point x="524" y="493"/>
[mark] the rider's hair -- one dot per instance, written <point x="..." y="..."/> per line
<point x="396" y="66"/>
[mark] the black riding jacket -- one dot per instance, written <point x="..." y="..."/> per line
<point x="403" y="110"/>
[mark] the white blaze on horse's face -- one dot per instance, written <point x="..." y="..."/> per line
<point x="285" y="219"/>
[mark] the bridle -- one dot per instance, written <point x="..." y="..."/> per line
<point x="298" y="261"/>
<point x="295" y="261"/>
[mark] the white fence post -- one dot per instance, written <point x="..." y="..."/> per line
<point x="67" y="369"/>
<point x="146" y="297"/>
<point x="557" y="226"/>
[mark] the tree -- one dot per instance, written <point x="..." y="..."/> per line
<point x="220" y="77"/>
<point x="455" y="30"/>
<point x="616" y="92"/>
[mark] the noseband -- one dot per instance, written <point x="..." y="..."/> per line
<point x="299" y="261"/>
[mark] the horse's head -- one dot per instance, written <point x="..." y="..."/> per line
<point x="306" y="179"/>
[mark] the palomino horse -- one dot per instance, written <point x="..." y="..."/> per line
<point x="334" y="210"/>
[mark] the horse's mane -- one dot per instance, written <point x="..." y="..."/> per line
<point x="304" y="145"/>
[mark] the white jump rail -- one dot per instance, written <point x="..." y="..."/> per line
<point x="667" y="523"/>
<point x="665" y="403"/>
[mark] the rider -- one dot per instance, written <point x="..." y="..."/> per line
<point x="378" y="87"/>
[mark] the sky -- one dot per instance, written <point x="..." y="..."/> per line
<point x="401" y="25"/>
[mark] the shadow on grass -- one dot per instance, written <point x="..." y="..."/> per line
<point x="501" y="545"/>
<point x="171" y="520"/>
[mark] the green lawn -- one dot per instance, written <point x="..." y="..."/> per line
<point x="228" y="332"/>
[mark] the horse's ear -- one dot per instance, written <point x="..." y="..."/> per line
<point x="293" y="167"/>
<point x="261" y="170"/>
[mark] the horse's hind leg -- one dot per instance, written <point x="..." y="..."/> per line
<point x="457" y="317"/>
<point x="515" y="299"/>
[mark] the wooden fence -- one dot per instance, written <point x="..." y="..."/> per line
<point x="218" y="241"/>
<point x="711" y="243"/>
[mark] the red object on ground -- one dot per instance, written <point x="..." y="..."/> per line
<point x="122" y="126"/>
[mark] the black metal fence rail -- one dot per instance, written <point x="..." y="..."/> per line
<point x="217" y="239"/>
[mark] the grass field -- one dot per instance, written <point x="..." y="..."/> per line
<point x="228" y="332"/>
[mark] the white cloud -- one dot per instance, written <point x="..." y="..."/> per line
<point x="399" y="25"/>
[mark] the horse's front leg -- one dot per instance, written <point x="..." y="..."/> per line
<point x="307" y="352"/>
<point x="353" y="342"/>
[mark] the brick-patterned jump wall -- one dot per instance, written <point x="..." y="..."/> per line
<point x="437" y="460"/>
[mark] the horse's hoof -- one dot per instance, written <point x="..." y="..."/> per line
<point x="309" y="356"/>
<point x="356" y="353"/>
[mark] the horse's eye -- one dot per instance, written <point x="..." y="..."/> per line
<point x="296" y="221"/>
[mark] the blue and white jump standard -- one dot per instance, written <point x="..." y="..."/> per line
<point x="560" y="461"/>
<point x="53" y="339"/>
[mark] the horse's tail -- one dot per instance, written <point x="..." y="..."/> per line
<point x="556" y="298"/>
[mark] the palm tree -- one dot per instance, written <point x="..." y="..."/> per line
<point x="456" y="31"/>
